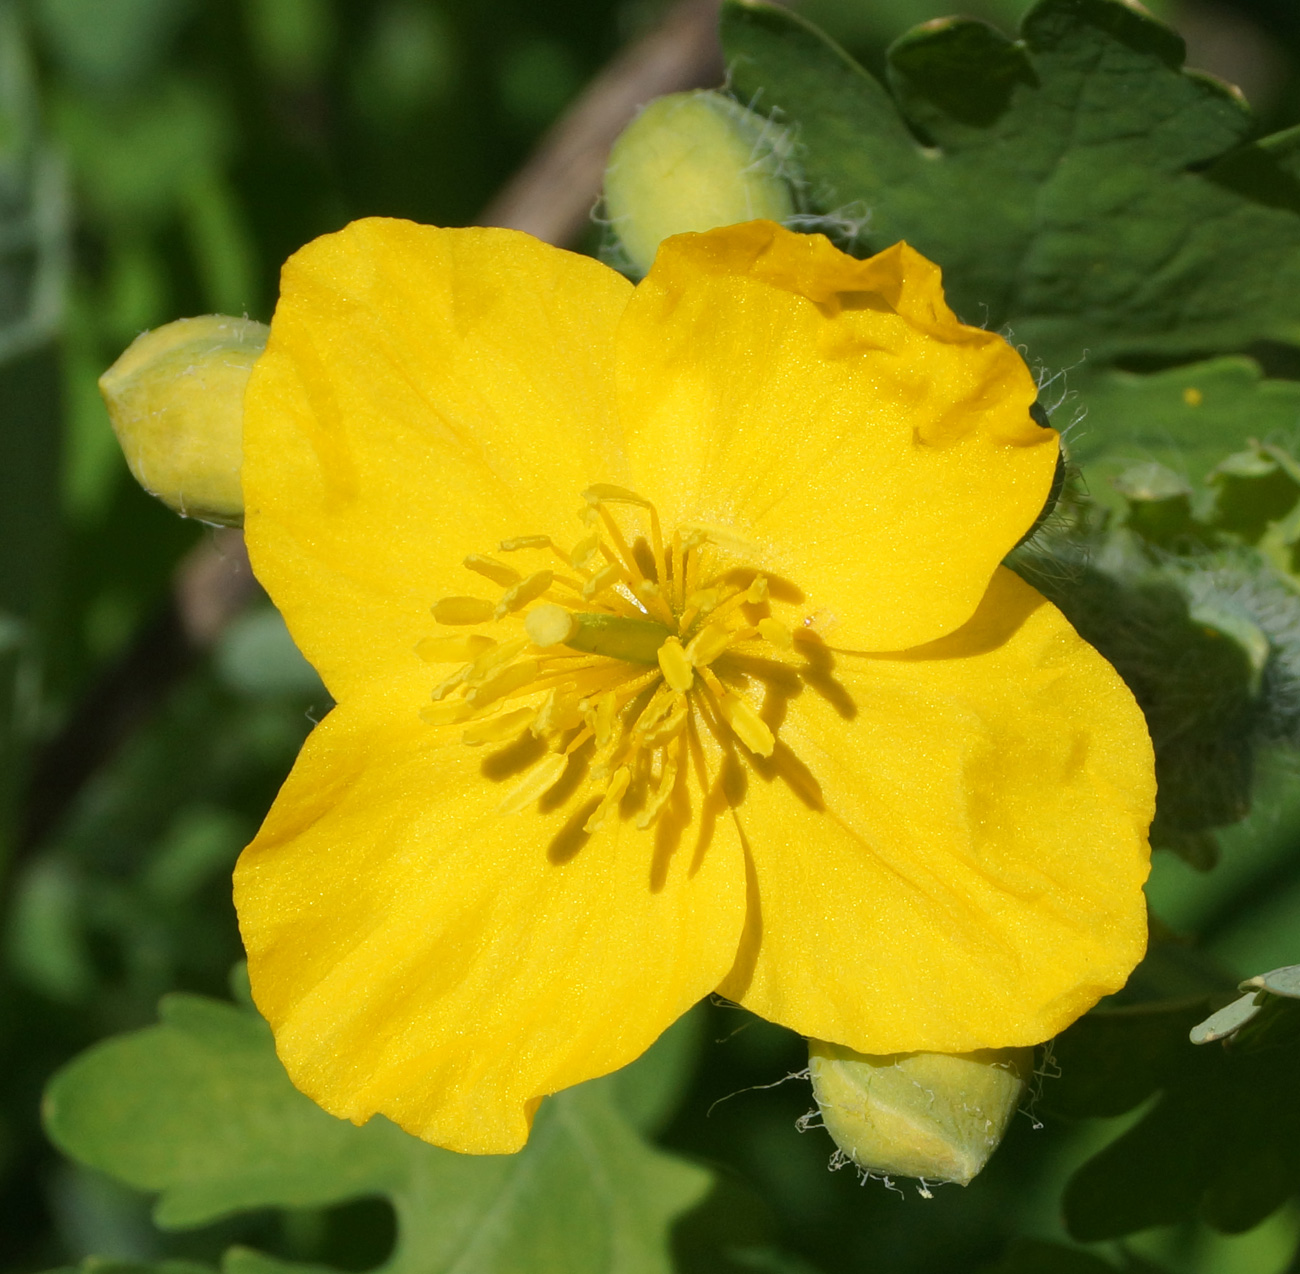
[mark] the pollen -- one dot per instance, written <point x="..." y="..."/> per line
<point x="634" y="659"/>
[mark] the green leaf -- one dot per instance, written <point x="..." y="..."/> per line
<point x="1076" y="186"/>
<point x="1225" y="1021"/>
<point x="109" y="43"/>
<point x="1036" y="1256"/>
<point x="1186" y="418"/>
<point x="1112" y="1060"/>
<point x="1219" y="1139"/>
<point x="98" y="1265"/>
<point x="200" y="1110"/>
<point x="1284" y="981"/>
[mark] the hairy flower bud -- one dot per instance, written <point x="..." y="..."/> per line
<point x="176" y="400"/>
<point x="693" y="161"/>
<point x="937" y="1116"/>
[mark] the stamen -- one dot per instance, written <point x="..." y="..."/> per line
<point x="653" y="731"/>
<point x="497" y="572"/>
<point x="526" y="542"/>
<point x="505" y="682"/>
<point x="605" y="492"/>
<point x="448" y="650"/>
<point x="609" y="802"/>
<point x="602" y="580"/>
<point x="536" y="783"/>
<point x="527" y="590"/>
<point x="728" y="602"/>
<point x="620" y="544"/>
<point x="625" y="681"/>
<point x="462" y="610"/>
<point x="647" y="592"/>
<point x="698" y="603"/>
<point x="498" y="729"/>
<point x="448" y="684"/>
<point x="677" y="568"/>
<point x="663" y="790"/>
<point x="583" y="552"/>
<point x="601" y="717"/>
<point x="559" y="711"/>
<point x="751" y="729"/>
<point x="608" y="492"/>
<point x="708" y="644"/>
<point x="677" y="669"/>
<point x="449" y="712"/>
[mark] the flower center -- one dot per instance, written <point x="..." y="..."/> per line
<point x="622" y="657"/>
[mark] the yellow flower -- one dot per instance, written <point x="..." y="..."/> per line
<point x="723" y="686"/>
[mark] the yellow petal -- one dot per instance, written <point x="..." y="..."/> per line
<point x="833" y="411"/>
<point x="424" y="394"/>
<point x="950" y="854"/>
<point x="422" y="956"/>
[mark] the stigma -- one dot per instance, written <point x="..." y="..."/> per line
<point x="621" y="657"/>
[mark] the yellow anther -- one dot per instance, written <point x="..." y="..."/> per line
<point x="498" y="729"/>
<point x="750" y="728"/>
<point x="609" y="802"/>
<point x="610" y="494"/>
<point x="509" y="679"/>
<point x="527" y="590"/>
<point x="486" y="663"/>
<point x="708" y="644"/>
<point x="449" y="650"/>
<point x="536" y="783"/>
<point x="676" y="668"/>
<point x="663" y="791"/>
<point x="492" y="659"/>
<point x="660" y="705"/>
<point x="497" y="572"/>
<point x="448" y="684"/>
<point x="448" y="713"/>
<point x="583" y="552"/>
<point x="602" y="716"/>
<point x="559" y="712"/>
<point x="667" y="725"/>
<point x="462" y="610"/>
<point x="647" y="591"/>
<point x="525" y="542"/>
<point x="757" y="591"/>
<point x="774" y="631"/>
<point x="549" y="625"/>
<point x="609" y="574"/>
<point x="698" y="603"/>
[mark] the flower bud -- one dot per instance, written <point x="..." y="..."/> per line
<point x="176" y="400"/>
<point x="694" y="161"/>
<point x="937" y="1116"/>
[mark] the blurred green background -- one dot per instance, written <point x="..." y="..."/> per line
<point x="160" y="158"/>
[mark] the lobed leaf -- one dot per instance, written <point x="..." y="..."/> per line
<point x="199" y="1109"/>
<point x="1077" y="186"/>
<point x="1220" y="1139"/>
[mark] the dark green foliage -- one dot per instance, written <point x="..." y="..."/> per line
<point x="1222" y="1139"/>
<point x="1076" y="186"/>
<point x="1191" y="592"/>
<point x="1118" y="216"/>
<point x="200" y="1109"/>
